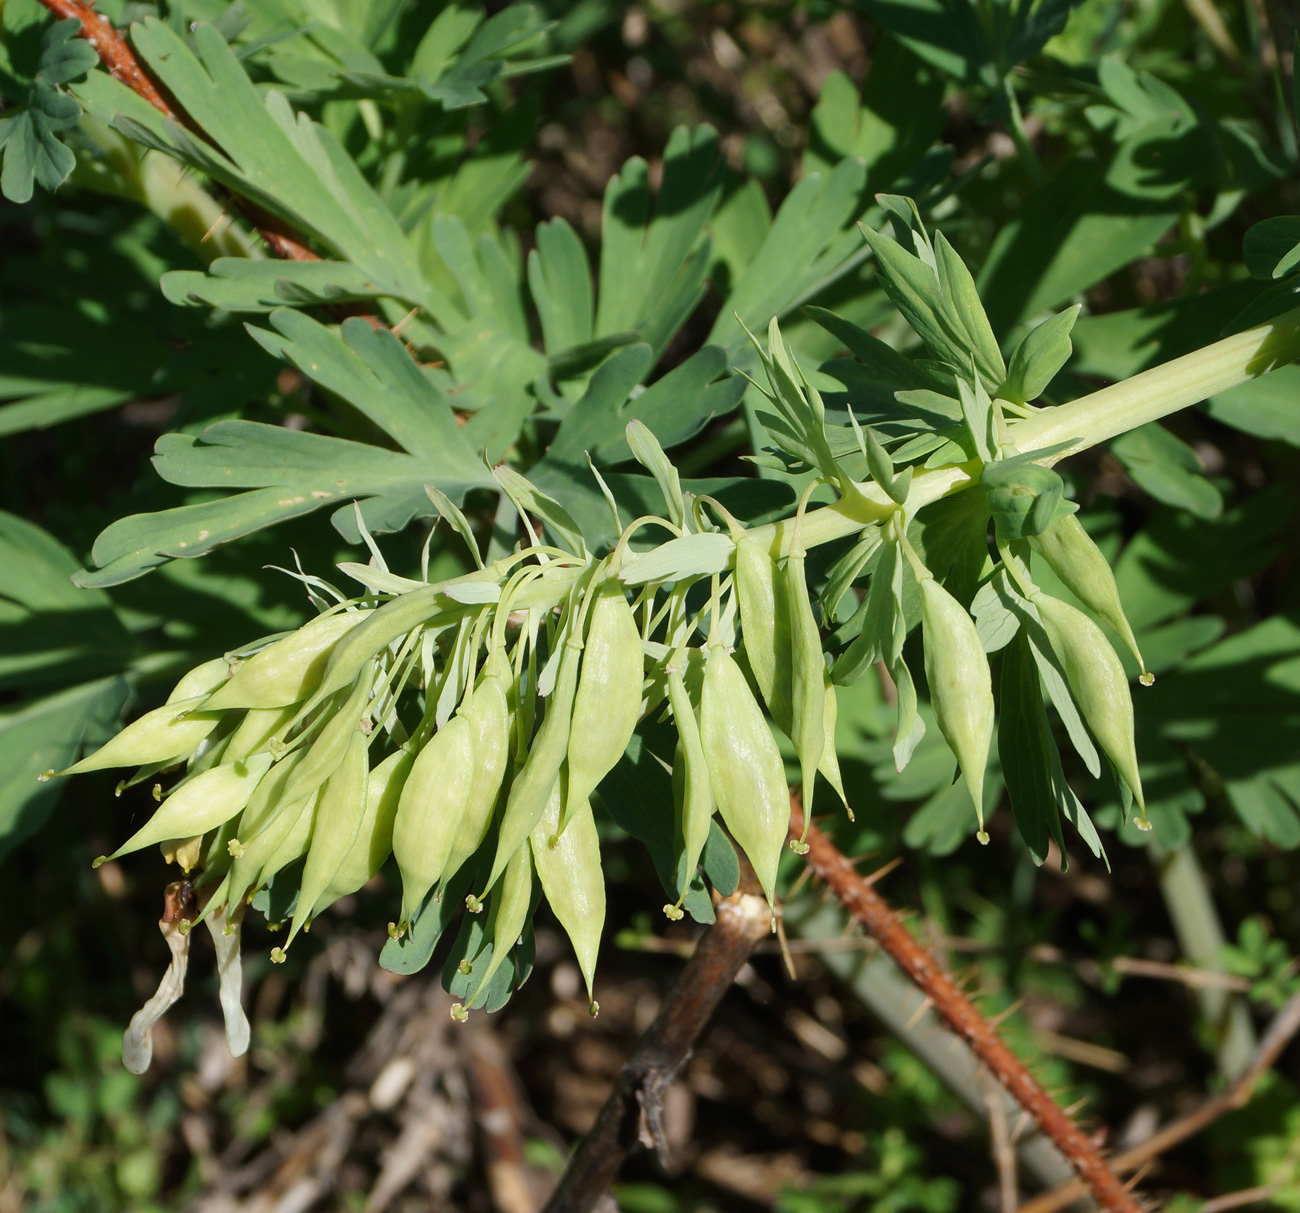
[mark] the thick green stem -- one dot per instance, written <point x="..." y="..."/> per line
<point x="1082" y="423"/>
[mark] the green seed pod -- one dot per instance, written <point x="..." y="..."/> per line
<point x="765" y="627"/>
<point x="1099" y="687"/>
<point x="573" y="881"/>
<point x="256" y="731"/>
<point x="331" y="743"/>
<point x="165" y="735"/>
<point x="692" y="769"/>
<point x="204" y="802"/>
<point x="265" y="803"/>
<point x="537" y="777"/>
<point x="961" y="687"/>
<point x="284" y="838"/>
<point x="288" y="670"/>
<point x="489" y="721"/>
<point x="1071" y="554"/>
<point x="830" y="763"/>
<point x="807" y="683"/>
<point x="430" y="810"/>
<point x="201" y="680"/>
<point x="608" y="701"/>
<point x="374" y="841"/>
<point x="339" y="813"/>
<point x="745" y="766"/>
<point x="510" y="916"/>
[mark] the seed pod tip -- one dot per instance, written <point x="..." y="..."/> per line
<point x="798" y="846"/>
<point x="278" y="956"/>
<point x="99" y="861"/>
<point x="1144" y="824"/>
<point x="396" y="930"/>
<point x="45" y="776"/>
<point x="594" y="1008"/>
<point x="673" y="913"/>
<point x="982" y="837"/>
<point x="235" y="848"/>
<point x="474" y="904"/>
<point x="1146" y="678"/>
<point x="458" y="1012"/>
<point x="464" y="968"/>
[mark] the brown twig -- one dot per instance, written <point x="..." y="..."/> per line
<point x="870" y="909"/>
<point x="632" y="1112"/>
<point x="120" y="60"/>
<point x="1280" y="1032"/>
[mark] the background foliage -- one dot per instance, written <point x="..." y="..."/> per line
<point x="592" y="197"/>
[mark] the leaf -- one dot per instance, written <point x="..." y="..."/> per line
<point x="993" y="609"/>
<point x="654" y="256"/>
<point x="1271" y="248"/>
<point x="559" y="277"/>
<point x="235" y="284"/>
<point x="809" y="245"/>
<point x="947" y="35"/>
<point x="530" y="501"/>
<point x="44" y="735"/>
<point x="50" y="631"/>
<point x="650" y="455"/>
<point x="1265" y="407"/>
<point x="289" y="474"/>
<point x="1168" y="469"/>
<point x="1031" y="763"/>
<point x="259" y="148"/>
<point x="689" y="556"/>
<point x="32" y="151"/>
<point x="1040" y="354"/>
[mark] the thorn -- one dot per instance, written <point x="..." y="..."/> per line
<point x="996" y="1020"/>
<point x="926" y="1003"/>
<point x="216" y="223"/>
<point x="882" y="872"/>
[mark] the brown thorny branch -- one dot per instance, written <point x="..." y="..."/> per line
<point x="121" y="63"/>
<point x="1280" y="1032"/>
<point x="631" y="1112"/>
<point x="882" y="924"/>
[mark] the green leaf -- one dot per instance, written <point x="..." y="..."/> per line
<point x="1041" y="353"/>
<point x="236" y="284"/>
<point x="945" y="34"/>
<point x="1168" y="469"/>
<point x="44" y="735"/>
<point x="530" y="501"/>
<point x="290" y="474"/>
<point x="1272" y="247"/>
<point x="1265" y="407"/>
<point x="1031" y="763"/>
<point x="50" y="631"/>
<point x="559" y="276"/>
<point x="809" y="245"/>
<point x="654" y="253"/>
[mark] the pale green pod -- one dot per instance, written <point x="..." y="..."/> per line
<point x="265" y="803"/>
<point x="488" y="714"/>
<point x="256" y="731"/>
<point x="165" y="735"/>
<point x="201" y="680"/>
<point x="1084" y="571"/>
<point x="374" y="841"/>
<point x="283" y="839"/>
<point x="1098" y="685"/>
<point x="430" y="810"/>
<point x="696" y="788"/>
<point x="339" y="812"/>
<point x="509" y="915"/>
<point x="537" y="777"/>
<point x="765" y="628"/>
<point x="961" y="686"/>
<point x="745" y="768"/>
<point x="201" y="804"/>
<point x="289" y="670"/>
<point x="331" y="743"/>
<point x="573" y="881"/>
<point x="830" y="763"/>
<point x="807" y="682"/>
<point x="608" y="700"/>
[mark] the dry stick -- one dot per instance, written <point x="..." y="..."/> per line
<point x="870" y="909"/>
<point x="120" y="60"/>
<point x="1280" y="1032"/>
<point x="631" y="1113"/>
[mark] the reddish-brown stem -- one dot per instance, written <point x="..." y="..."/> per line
<point x="1280" y="1033"/>
<point x="631" y="1113"/>
<point x="120" y="60"/>
<point x="883" y="925"/>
